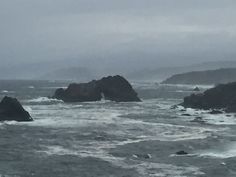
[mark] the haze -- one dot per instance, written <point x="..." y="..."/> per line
<point x="119" y="36"/>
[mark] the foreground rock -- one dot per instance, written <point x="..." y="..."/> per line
<point x="222" y="97"/>
<point x="11" y="109"/>
<point x="114" y="88"/>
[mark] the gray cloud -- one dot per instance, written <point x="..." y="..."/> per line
<point x="108" y="31"/>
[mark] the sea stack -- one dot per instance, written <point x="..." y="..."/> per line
<point x="114" y="88"/>
<point x="222" y="96"/>
<point x="12" y="110"/>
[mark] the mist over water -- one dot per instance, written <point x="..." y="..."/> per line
<point x="48" y="44"/>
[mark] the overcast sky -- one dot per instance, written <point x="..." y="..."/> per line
<point x="166" y="32"/>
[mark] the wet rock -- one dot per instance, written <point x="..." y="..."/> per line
<point x="222" y="96"/>
<point x="174" y="107"/>
<point x="79" y="92"/>
<point x="181" y="153"/>
<point x="198" y="120"/>
<point x="216" y="112"/>
<point x="114" y="88"/>
<point x="186" y="115"/>
<point x="196" y="89"/>
<point x="117" y="88"/>
<point x="11" y="109"/>
<point x="142" y="156"/>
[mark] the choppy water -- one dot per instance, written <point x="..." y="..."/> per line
<point x="108" y="139"/>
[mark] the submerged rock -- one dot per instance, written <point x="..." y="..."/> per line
<point x="196" y="89"/>
<point x="216" y="112"/>
<point x="198" y="120"/>
<point x="114" y="88"/>
<point x="181" y="153"/>
<point x="11" y="109"/>
<point x="142" y="156"/>
<point x="222" y="96"/>
<point x="186" y="115"/>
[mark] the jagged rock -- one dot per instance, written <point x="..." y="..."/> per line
<point x="216" y="112"/>
<point x="79" y="92"/>
<point x="114" y="88"/>
<point x="142" y="156"/>
<point x="11" y="109"/>
<point x="222" y="96"/>
<point x="186" y="114"/>
<point x="181" y="153"/>
<point x="196" y="89"/>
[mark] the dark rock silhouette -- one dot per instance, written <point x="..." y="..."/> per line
<point x="79" y="92"/>
<point x="216" y="112"/>
<point x="181" y="153"/>
<point x="114" y="88"/>
<point x="222" y="96"/>
<point x="11" y="109"/>
<point x="186" y="114"/>
<point x="142" y="156"/>
<point x="196" y="89"/>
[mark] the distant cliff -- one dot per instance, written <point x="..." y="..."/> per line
<point x="218" y="76"/>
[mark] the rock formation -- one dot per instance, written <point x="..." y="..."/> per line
<point x="11" y="109"/>
<point x="222" y="97"/>
<point x="114" y="88"/>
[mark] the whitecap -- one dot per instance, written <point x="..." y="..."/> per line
<point x="4" y="91"/>
<point x="28" y="108"/>
<point x="43" y="99"/>
<point x="226" y="151"/>
<point x="58" y="150"/>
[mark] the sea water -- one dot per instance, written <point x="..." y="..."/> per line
<point x="109" y="139"/>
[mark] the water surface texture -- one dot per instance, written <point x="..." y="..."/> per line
<point x="108" y="139"/>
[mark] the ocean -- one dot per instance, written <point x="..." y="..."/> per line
<point x="109" y="139"/>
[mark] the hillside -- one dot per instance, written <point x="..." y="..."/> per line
<point x="159" y="74"/>
<point x="224" y="75"/>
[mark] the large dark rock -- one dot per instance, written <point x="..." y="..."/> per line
<point x="11" y="109"/>
<point x="222" y="96"/>
<point x="79" y="92"/>
<point x="115" y="88"/>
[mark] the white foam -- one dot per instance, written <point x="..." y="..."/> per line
<point x="28" y="109"/>
<point x="43" y="99"/>
<point x="227" y="151"/>
<point x="58" y="150"/>
<point x="4" y="91"/>
<point x="12" y="122"/>
<point x="142" y="167"/>
<point x="220" y="119"/>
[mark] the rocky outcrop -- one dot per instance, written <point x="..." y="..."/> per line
<point x="114" y="88"/>
<point x="11" y="109"/>
<point x="222" y="96"/>
<point x="181" y="153"/>
<point x="196" y="89"/>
